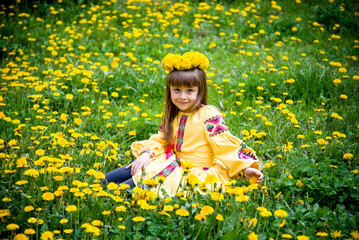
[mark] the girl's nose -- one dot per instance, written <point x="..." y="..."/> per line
<point x="182" y="95"/>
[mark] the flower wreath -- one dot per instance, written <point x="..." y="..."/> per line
<point x="188" y="60"/>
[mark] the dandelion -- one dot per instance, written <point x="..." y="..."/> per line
<point x="210" y="179"/>
<point x="354" y="234"/>
<point x="71" y="208"/>
<point x="242" y="198"/>
<point x="40" y="152"/>
<point x="336" y="234"/>
<point x="348" y="156"/>
<point x="97" y="223"/>
<point x="299" y="183"/>
<point x="168" y="208"/>
<point x="69" y="96"/>
<point x="265" y="213"/>
<point x="28" y="208"/>
<point x="287" y="236"/>
<point x="216" y="196"/>
<point x="343" y="96"/>
<point x="252" y="236"/>
<point x="280" y="213"/>
<point x="12" y="227"/>
<point x="20" y="236"/>
<point x="302" y="237"/>
<point x="186" y="165"/>
<point x="219" y="217"/>
<point x="106" y="213"/>
<point x="321" y="234"/>
<point x="269" y="164"/>
<point x="32" y="220"/>
<point x="207" y="210"/>
<point x="182" y="212"/>
<point x="64" y="220"/>
<point x="78" y="121"/>
<point x="47" y="235"/>
<point x="48" y="196"/>
<point x="138" y="219"/>
<point x="29" y="231"/>
<point x="112" y="186"/>
<point x="200" y="217"/>
<point x="150" y="182"/>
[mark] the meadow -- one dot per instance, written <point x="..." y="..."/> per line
<point x="81" y="80"/>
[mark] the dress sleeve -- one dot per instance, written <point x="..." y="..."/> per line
<point x="228" y="149"/>
<point x="154" y="145"/>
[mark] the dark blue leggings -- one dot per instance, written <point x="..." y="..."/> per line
<point x="120" y="175"/>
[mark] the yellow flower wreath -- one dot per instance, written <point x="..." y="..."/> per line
<point x="188" y="60"/>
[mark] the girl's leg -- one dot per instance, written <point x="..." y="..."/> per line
<point x="119" y="175"/>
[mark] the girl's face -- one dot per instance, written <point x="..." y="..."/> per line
<point x="184" y="97"/>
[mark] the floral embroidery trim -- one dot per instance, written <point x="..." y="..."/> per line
<point x="216" y="125"/>
<point x="169" y="169"/>
<point x="180" y="133"/>
<point x="246" y="153"/>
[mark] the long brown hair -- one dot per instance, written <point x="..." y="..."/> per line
<point x="188" y="78"/>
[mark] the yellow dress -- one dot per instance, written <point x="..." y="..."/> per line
<point x="202" y="138"/>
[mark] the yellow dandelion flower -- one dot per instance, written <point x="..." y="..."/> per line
<point x="207" y="210"/>
<point x="211" y="179"/>
<point x="252" y="236"/>
<point x="12" y="227"/>
<point x="287" y="236"/>
<point x="138" y="219"/>
<point x="71" y="208"/>
<point x="168" y="208"/>
<point x="354" y="234"/>
<point x="265" y="213"/>
<point x="280" y="213"/>
<point x="200" y="217"/>
<point x="29" y="231"/>
<point x="182" y="212"/>
<point x="48" y="196"/>
<point x="219" y="217"/>
<point x="242" y="198"/>
<point x="216" y="196"/>
<point x="321" y="234"/>
<point x="302" y="237"/>
<point x="47" y="235"/>
<point x="20" y="236"/>
<point x="336" y="234"/>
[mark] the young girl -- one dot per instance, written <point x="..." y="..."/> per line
<point x="191" y="131"/>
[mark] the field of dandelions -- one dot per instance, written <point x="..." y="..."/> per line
<point x="81" y="80"/>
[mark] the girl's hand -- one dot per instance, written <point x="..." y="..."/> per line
<point x="252" y="172"/>
<point x="140" y="163"/>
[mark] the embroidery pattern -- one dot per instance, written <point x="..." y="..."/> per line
<point x="246" y="153"/>
<point x="169" y="169"/>
<point x="180" y="132"/>
<point x="216" y="125"/>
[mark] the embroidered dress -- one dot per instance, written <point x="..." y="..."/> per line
<point x="202" y="138"/>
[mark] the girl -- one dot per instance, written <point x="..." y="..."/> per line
<point x="191" y="132"/>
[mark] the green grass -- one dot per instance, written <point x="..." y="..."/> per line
<point x="72" y="47"/>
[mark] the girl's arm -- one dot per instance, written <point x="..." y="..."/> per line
<point x="253" y="172"/>
<point x="140" y="163"/>
<point x="228" y="149"/>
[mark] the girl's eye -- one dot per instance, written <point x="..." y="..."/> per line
<point x="190" y="90"/>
